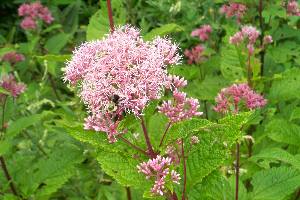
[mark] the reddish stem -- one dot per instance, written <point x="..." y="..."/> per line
<point x="165" y="133"/>
<point x="128" y="193"/>
<point x="237" y="170"/>
<point x="110" y="16"/>
<point x="132" y="145"/>
<point x="150" y="151"/>
<point x="184" y="170"/>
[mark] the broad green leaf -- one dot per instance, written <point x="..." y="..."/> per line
<point x="70" y="16"/>
<point x="189" y="72"/>
<point x="232" y="63"/>
<point x="56" y="43"/>
<point x="99" y="22"/>
<point x="216" y="187"/>
<point x="163" y="30"/>
<point x="280" y="91"/>
<point x="55" y="58"/>
<point x="283" y="131"/>
<point x="295" y="114"/>
<point x="4" y="146"/>
<point x="277" y="154"/>
<point x="275" y="183"/>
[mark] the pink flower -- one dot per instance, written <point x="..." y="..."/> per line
<point x="268" y="39"/>
<point x="293" y="8"/>
<point x="120" y="73"/>
<point x="237" y="96"/>
<point x="32" y="12"/>
<point x="9" y="83"/>
<point x="175" y="82"/>
<point x="181" y="108"/>
<point x="158" y="169"/>
<point x="194" y="55"/>
<point x="194" y="140"/>
<point x="234" y="10"/>
<point x="202" y="32"/>
<point x="13" y="57"/>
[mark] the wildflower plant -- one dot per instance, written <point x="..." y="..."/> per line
<point x="123" y="80"/>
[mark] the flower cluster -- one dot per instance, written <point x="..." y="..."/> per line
<point x="293" y="8"/>
<point x="195" y="55"/>
<point x="120" y="73"/>
<point x="159" y="168"/>
<point x="236" y="97"/>
<point x="13" y="57"/>
<point x="182" y="107"/>
<point x="237" y="10"/>
<point x="9" y="83"/>
<point x="250" y="34"/>
<point x="203" y="32"/>
<point x="32" y="12"/>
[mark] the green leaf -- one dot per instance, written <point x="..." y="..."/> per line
<point x="215" y="187"/>
<point x="4" y="91"/>
<point x="55" y="58"/>
<point x="281" y="130"/>
<point x="122" y="168"/>
<point x="22" y="123"/>
<point x="4" y="146"/>
<point x="56" y="43"/>
<point x="295" y="114"/>
<point x="277" y="154"/>
<point x="280" y="91"/>
<point x="275" y="183"/>
<point x="232" y="63"/>
<point x="163" y="30"/>
<point x="99" y="22"/>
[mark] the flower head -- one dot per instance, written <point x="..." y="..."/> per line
<point x="293" y="8"/>
<point x="203" y="32"/>
<point x="9" y="83"/>
<point x="158" y="169"/>
<point x="195" y="55"/>
<point x="32" y="12"/>
<point x="13" y="57"/>
<point x="237" y="97"/>
<point x="120" y="73"/>
<point x="237" y="10"/>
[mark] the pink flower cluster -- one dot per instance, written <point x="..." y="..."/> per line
<point x="13" y="57"/>
<point x="9" y="83"/>
<point x="250" y="34"/>
<point x="32" y="12"/>
<point x="237" y="10"/>
<point x="236" y="97"/>
<point x="182" y="107"/>
<point x="293" y="8"/>
<point x="195" y="54"/>
<point x="203" y="32"/>
<point x="159" y="168"/>
<point x="120" y="73"/>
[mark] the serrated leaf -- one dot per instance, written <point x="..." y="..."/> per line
<point x="277" y="154"/>
<point x="284" y="131"/>
<point x="275" y="183"/>
<point x="163" y="30"/>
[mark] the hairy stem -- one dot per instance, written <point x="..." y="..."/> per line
<point x="184" y="170"/>
<point x="128" y="193"/>
<point x="110" y="16"/>
<point x="237" y="170"/>
<point x="165" y="133"/>
<point x="150" y="151"/>
<point x="132" y="145"/>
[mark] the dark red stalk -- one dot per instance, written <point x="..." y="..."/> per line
<point x="2" y="160"/>
<point x="150" y="151"/>
<point x="132" y="145"/>
<point x="184" y="170"/>
<point x="237" y="170"/>
<point x="262" y="53"/>
<point x="128" y="193"/>
<point x="110" y="16"/>
<point x="165" y="133"/>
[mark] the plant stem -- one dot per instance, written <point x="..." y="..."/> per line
<point x="2" y="160"/>
<point x="262" y="53"/>
<point x="249" y="70"/>
<point x="128" y="193"/>
<point x="110" y="16"/>
<point x="54" y="87"/>
<point x="165" y="133"/>
<point x="132" y="145"/>
<point x="147" y="139"/>
<point x="206" y="110"/>
<point x="237" y="170"/>
<point x="184" y="170"/>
